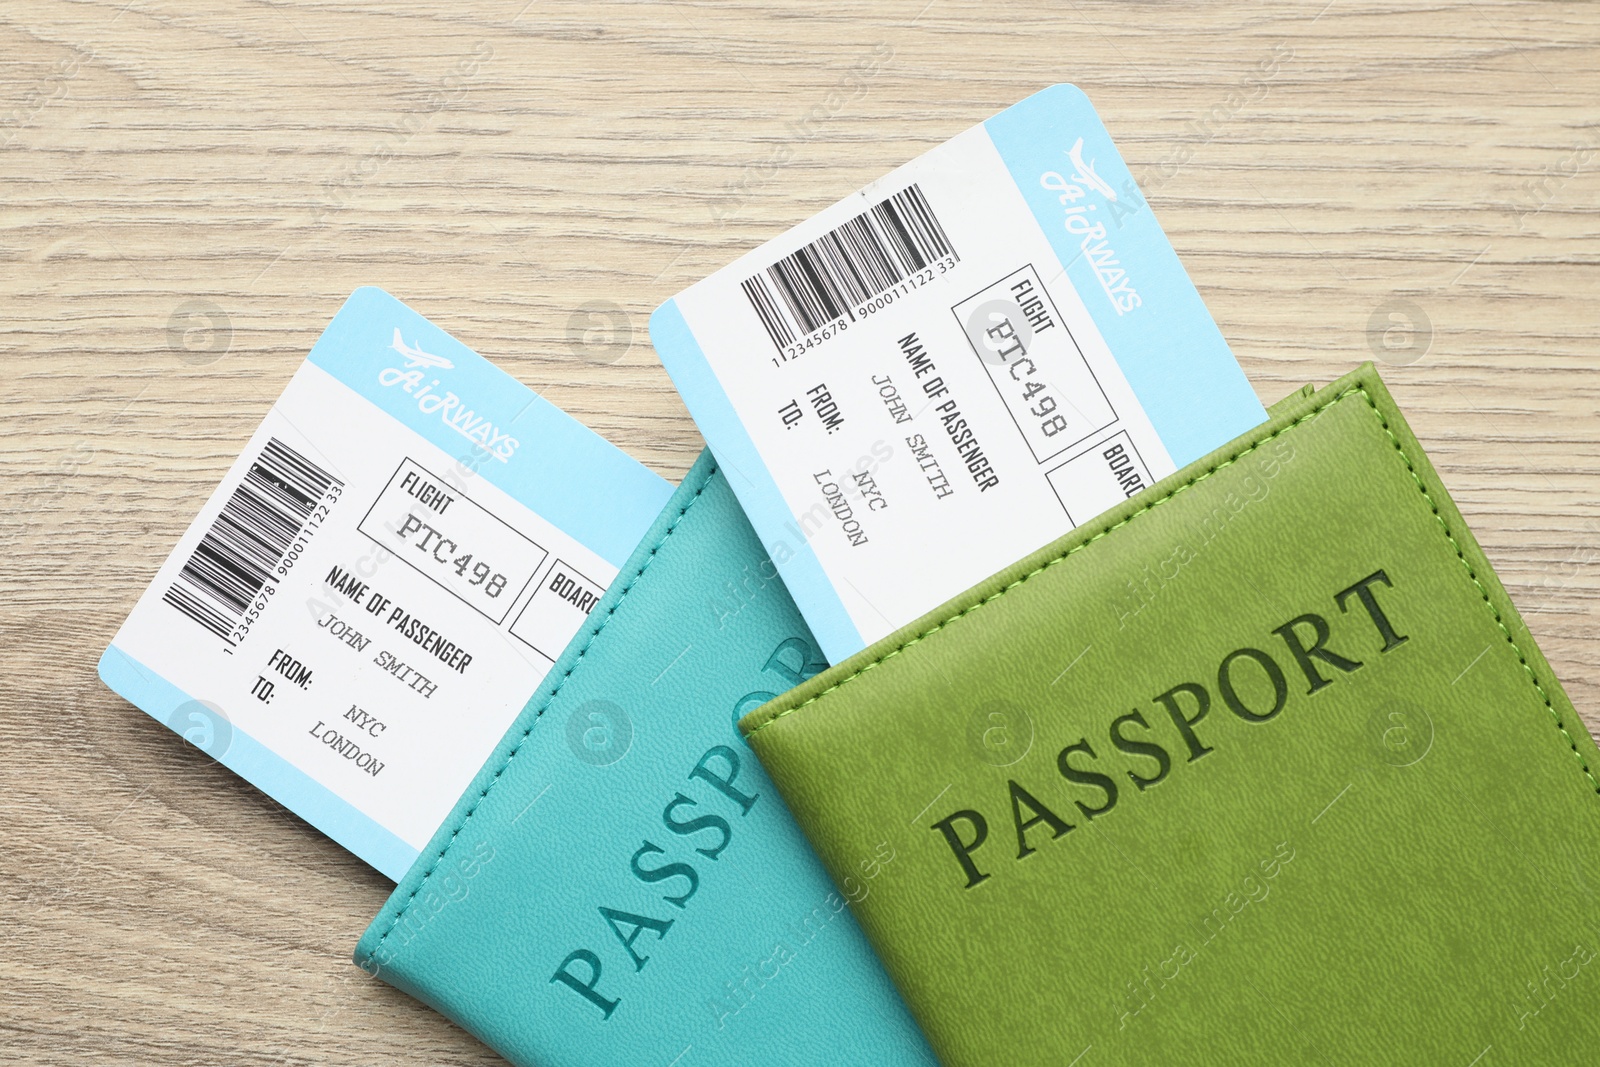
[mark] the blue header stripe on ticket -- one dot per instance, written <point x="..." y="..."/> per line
<point x="263" y="768"/>
<point x="513" y="438"/>
<point x="1164" y="339"/>
<point x="752" y="483"/>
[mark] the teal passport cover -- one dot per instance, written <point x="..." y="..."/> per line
<point x="1261" y="767"/>
<point x="622" y="884"/>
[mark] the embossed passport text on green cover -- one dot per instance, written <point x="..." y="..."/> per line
<point x="1261" y="768"/>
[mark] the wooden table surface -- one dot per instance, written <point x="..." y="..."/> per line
<point x="190" y="190"/>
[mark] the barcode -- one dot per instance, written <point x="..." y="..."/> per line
<point x="254" y="531"/>
<point x="847" y="266"/>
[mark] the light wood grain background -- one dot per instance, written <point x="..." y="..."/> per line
<point x="189" y="190"/>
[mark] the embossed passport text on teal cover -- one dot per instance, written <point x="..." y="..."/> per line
<point x="622" y="884"/>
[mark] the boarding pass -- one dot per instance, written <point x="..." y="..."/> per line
<point x="952" y="367"/>
<point x="396" y="559"/>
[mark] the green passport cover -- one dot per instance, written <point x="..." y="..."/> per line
<point x="1263" y="767"/>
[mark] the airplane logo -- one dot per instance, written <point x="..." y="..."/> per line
<point x="416" y="357"/>
<point x="1086" y="173"/>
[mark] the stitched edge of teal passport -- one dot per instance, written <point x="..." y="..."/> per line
<point x="371" y="943"/>
<point x="479" y="923"/>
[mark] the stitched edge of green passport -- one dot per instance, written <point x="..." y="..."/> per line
<point x="594" y="634"/>
<point x="1201" y="476"/>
